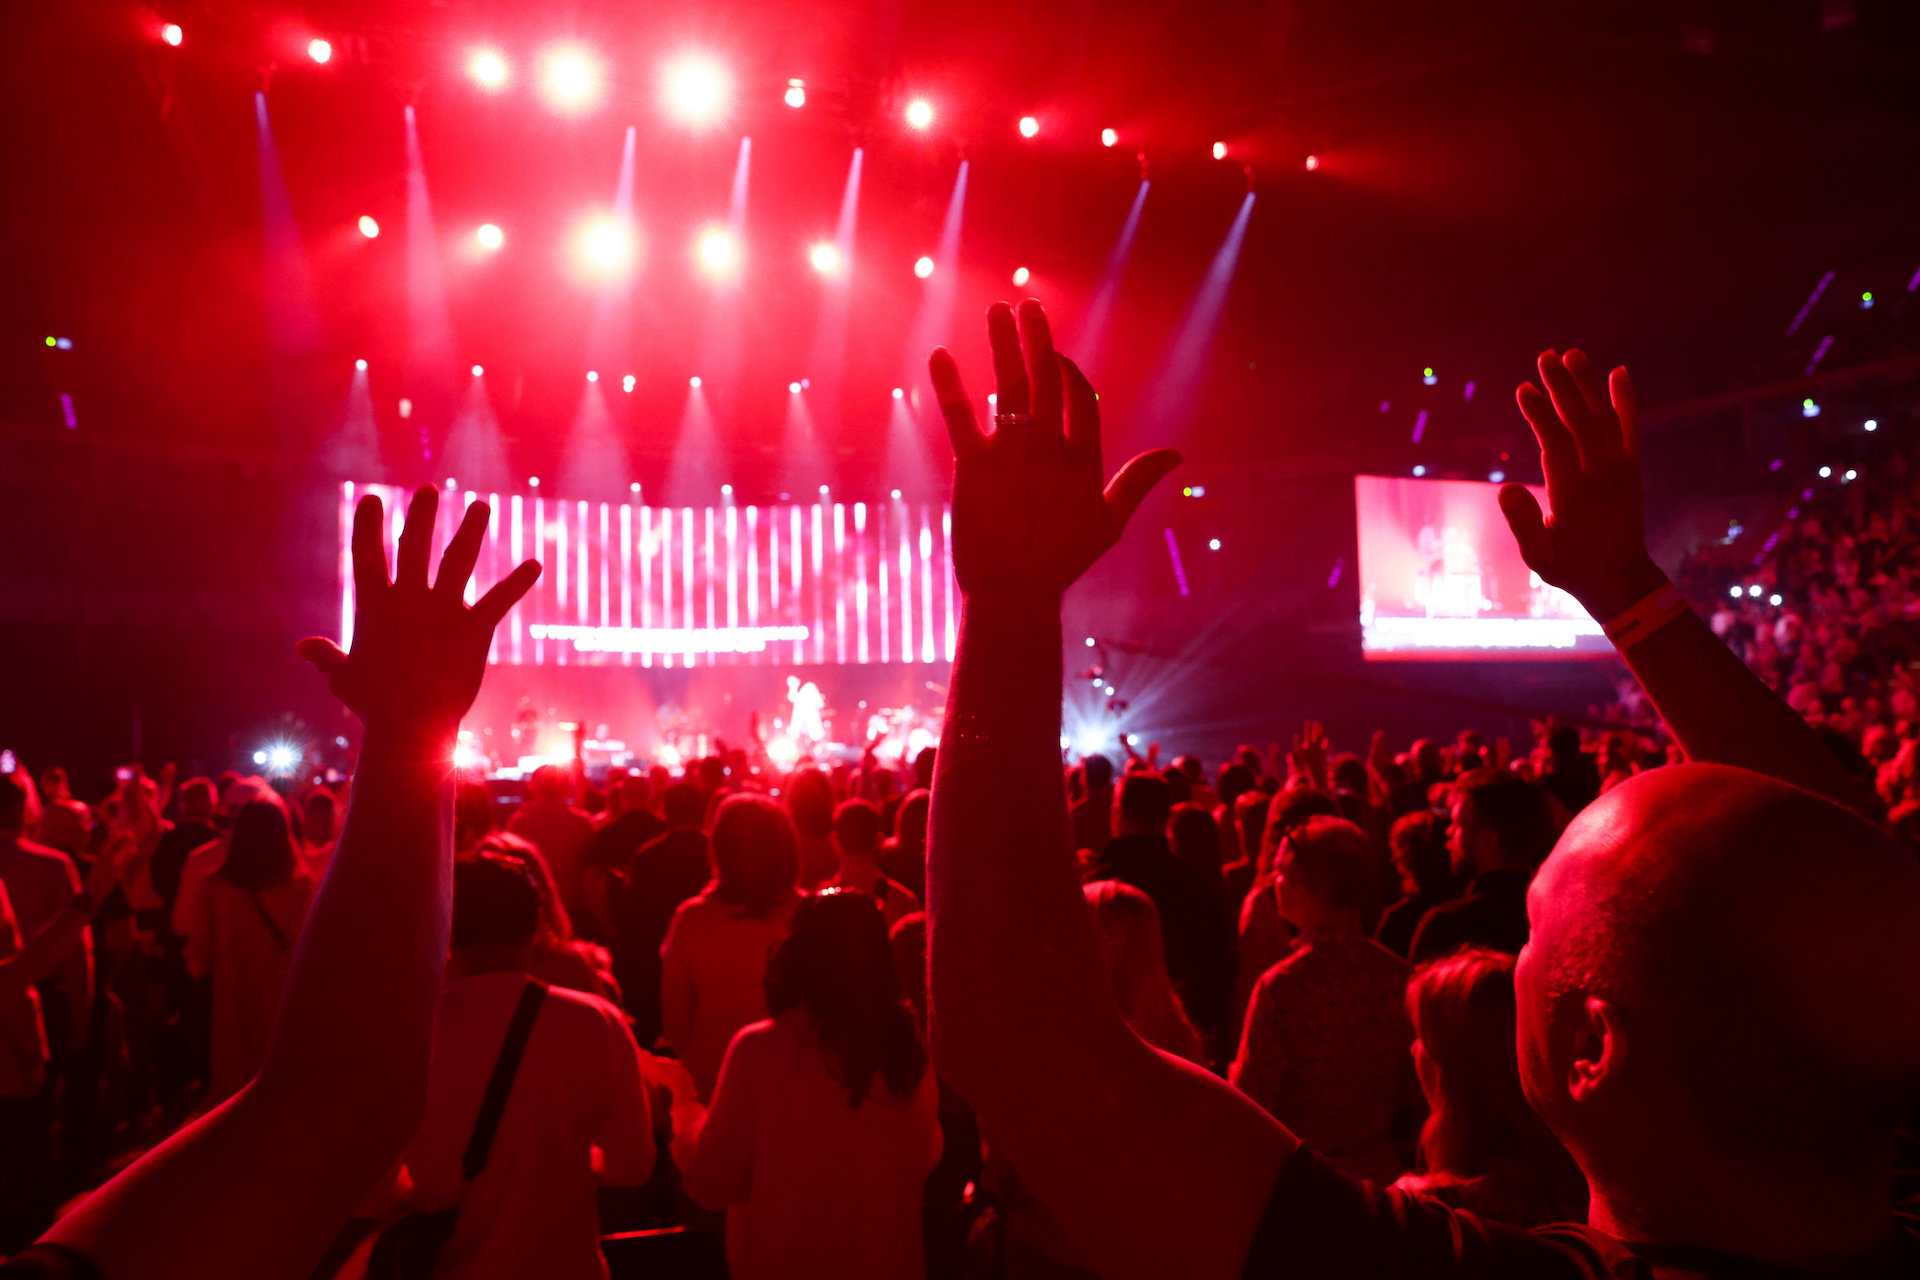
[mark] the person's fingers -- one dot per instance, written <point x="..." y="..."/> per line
<point x="1522" y="511"/>
<point x="1083" y="413"/>
<point x="1626" y="403"/>
<point x="963" y="425"/>
<point x="323" y="653"/>
<point x="1129" y="488"/>
<point x="1559" y="455"/>
<point x="506" y="593"/>
<point x="1011" y="391"/>
<point x="463" y="552"/>
<point x="369" y="551"/>
<point x="1592" y="388"/>
<point x="1043" y="370"/>
<point x="1571" y="404"/>
<point x="416" y="539"/>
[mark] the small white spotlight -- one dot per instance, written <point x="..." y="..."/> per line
<point x="172" y="34"/>
<point x="319" y="50"/>
<point x="490" y="236"/>
<point x="1029" y="127"/>
<point x="488" y="69"/>
<point x="280" y="757"/>
<point x="627" y="383"/>
<point x="896" y="495"/>
<point x="1870" y="425"/>
<point x="361" y="365"/>
<point x="533" y="482"/>
<point x="796" y="94"/>
<point x="1851" y="476"/>
<point x="794" y="387"/>
<point x="1418" y="470"/>
<point x="1020" y="277"/>
<point x="1313" y="162"/>
<point x="593" y="375"/>
<point x="606" y="245"/>
<point x="1213" y="544"/>
<point x="1754" y="590"/>
<point x="368" y="227"/>
<point x="569" y="79"/>
<point x="824" y="258"/>
<point x="1734" y="592"/>
<point x="1809" y="408"/>
<point x="452" y="483"/>
<point x="406" y="407"/>
<point x="478" y="371"/>
<point x="1774" y="600"/>
<point x="1219" y="151"/>
<point x="696" y="90"/>
<point x="1497" y="477"/>
<point x="1825" y="472"/>
<point x="923" y="268"/>
<point x="694" y="382"/>
<point x="899" y="393"/>
<point x="259" y="757"/>
<point x="717" y="251"/>
<point x="919" y="113"/>
<point x="726" y="491"/>
<point x="823" y="488"/>
<point x="1108" y="137"/>
<point x="634" y="487"/>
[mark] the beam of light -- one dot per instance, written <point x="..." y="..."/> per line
<point x="694" y="473"/>
<point x="803" y="465"/>
<point x="293" y="316"/>
<point x="1806" y="308"/>
<point x="475" y="451"/>
<point x="352" y="449"/>
<point x="919" y="113"/>
<point x="1093" y="330"/>
<point x="569" y="79"/>
<point x="430" y="377"/>
<point x="609" y="250"/>
<point x="827" y="356"/>
<point x="595" y="465"/>
<point x="923" y="267"/>
<point x="1172" y="402"/>
<point x="488" y="69"/>
<point x="909" y="462"/>
<point x="1179" y="569"/>
<point x="696" y="90"/>
<point x="719" y="254"/>
<point x="824" y="258"/>
<point x="320" y="50"/>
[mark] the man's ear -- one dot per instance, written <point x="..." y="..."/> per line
<point x="1599" y="1052"/>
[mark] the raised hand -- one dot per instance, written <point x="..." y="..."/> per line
<point x="419" y="651"/>
<point x="1030" y="514"/>
<point x="108" y="866"/>
<point x="1308" y="759"/>
<point x="1593" y="544"/>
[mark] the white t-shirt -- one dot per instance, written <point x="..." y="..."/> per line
<point x="533" y="1210"/>
<point x="813" y="1186"/>
<point x="713" y="967"/>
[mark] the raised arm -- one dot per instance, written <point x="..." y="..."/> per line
<point x="1593" y="545"/>
<point x="260" y="1186"/>
<point x="1024" y="1022"/>
<point x="44" y="950"/>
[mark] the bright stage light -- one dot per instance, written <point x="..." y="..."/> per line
<point x="570" y="79"/>
<point x="593" y="375"/>
<point x="626" y="383"/>
<point x="718" y="253"/>
<point x="1774" y="600"/>
<point x="796" y="95"/>
<point x="1809" y="408"/>
<point x="1870" y="425"/>
<point x="361" y="365"/>
<point x="1213" y="544"/>
<point x="1020" y="277"/>
<point x="606" y="246"/>
<point x="1029" y="127"/>
<point x="634" y="487"/>
<point x="1219" y="151"/>
<point x="794" y="387"/>
<point x="923" y="268"/>
<point x="696" y="90"/>
<point x="490" y="236"/>
<point x="406" y="407"/>
<point x="783" y="751"/>
<point x="824" y="258"/>
<point x="278" y="757"/>
<point x="919" y="113"/>
<point x="319" y="50"/>
<point x="726" y="491"/>
<point x="1825" y="472"/>
<point x="467" y="757"/>
<point x="1313" y="162"/>
<point x="478" y="371"/>
<point x="452" y="483"/>
<point x="1109" y="136"/>
<point x="899" y="393"/>
<point x="172" y="34"/>
<point x="1427" y="376"/>
<point x="823" y="488"/>
<point x="694" y="382"/>
<point x="896" y="495"/>
<point x="1418" y="470"/>
<point x="533" y="482"/>
<point x="488" y="69"/>
<point x="368" y="227"/>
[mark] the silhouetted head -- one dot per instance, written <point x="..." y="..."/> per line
<point x="1419" y="844"/>
<point x="1142" y="805"/>
<point x="1096" y="771"/>
<point x="13" y="803"/>
<point x="810" y="801"/>
<point x="1499" y="822"/>
<point x="472" y="813"/>
<point x="260" y="852"/>
<point x="549" y="782"/>
<point x="1324" y="875"/>
<point x="1235" y="780"/>
<point x="756" y="855"/>
<point x="197" y="799"/>
<point x="496" y="902"/>
<point x="910" y="819"/>
<point x="683" y="805"/>
<point x="1196" y="839"/>
<point x="856" y="828"/>
<point x="1719" y="1012"/>
<point x="923" y="767"/>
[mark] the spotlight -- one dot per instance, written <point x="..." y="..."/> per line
<point x="1108" y="137"/>
<point x="452" y="483"/>
<point x="634" y="487"/>
<point x="823" y="488"/>
<point x="593" y="375"/>
<point x="718" y="253"/>
<point x="1219" y="151"/>
<point x="490" y="236"/>
<point x="1427" y="377"/>
<point x="696" y="90"/>
<point x="467" y="757"/>
<point x="280" y="757"/>
<point x="896" y="495"/>
<point x="824" y="258"/>
<point x="319" y="50"/>
<point x="899" y="393"/>
<point x="1870" y="425"/>
<point x="919" y="113"/>
<point x="1020" y="276"/>
<point x="1497" y="477"/>
<point x="1774" y="600"/>
<point x="1851" y="476"/>
<point x="172" y="34"/>
<point x="923" y="268"/>
<point x="1213" y="544"/>
<point x="488" y="69"/>
<point x="1754" y="590"/>
<point x="606" y="246"/>
<point x="694" y="382"/>
<point x="406" y="407"/>
<point x="726" y="491"/>
<point x="627" y="384"/>
<point x="794" y="387"/>
<point x="1825" y="472"/>
<point x="1809" y="408"/>
<point x="796" y="95"/>
<point x="570" y="79"/>
<point x="1734" y="592"/>
<point x="1866" y="302"/>
<point x="478" y="371"/>
<point x="361" y="365"/>
<point x="1029" y="127"/>
<point x="1418" y="470"/>
<point x="1313" y="162"/>
<point x="533" y="482"/>
<point x="368" y="227"/>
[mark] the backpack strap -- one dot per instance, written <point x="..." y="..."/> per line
<point x="505" y="1067"/>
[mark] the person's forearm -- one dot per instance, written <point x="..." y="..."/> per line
<point x="45" y="952"/>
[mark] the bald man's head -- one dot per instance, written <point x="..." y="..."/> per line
<point x="1757" y="949"/>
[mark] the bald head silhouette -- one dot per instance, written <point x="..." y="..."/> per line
<point x="1720" y="1013"/>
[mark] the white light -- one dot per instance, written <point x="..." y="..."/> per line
<point x="796" y="95"/>
<point x="783" y="750"/>
<point x="1219" y="151"/>
<point x="1029" y="127"/>
<point x="1496" y="477"/>
<point x="634" y="487"/>
<point x="794" y="387"/>
<point x="626" y="383"/>
<point x="490" y="236"/>
<point x="823" y="488"/>
<point x="593" y="375"/>
<point x="1754" y="590"/>
<point x="1735" y="592"/>
<point x="726" y="491"/>
<point x="488" y="69"/>
<point x="452" y="483"/>
<point x="319" y="50"/>
<point x="1871" y="425"/>
<point x="896" y="495"/>
<point x="1109" y="136"/>
<point x="406" y="407"/>
<point x="993" y="398"/>
<point x="694" y="382"/>
<point x="533" y="482"/>
<point x="718" y="253"/>
<point x="368" y="227"/>
<point x="1020" y="277"/>
<point x="606" y="246"/>
<point x="919" y="113"/>
<point x="281" y="758"/>
<point x="172" y="34"/>
<point x="1419" y="470"/>
<point x="1825" y="472"/>
<point x="899" y="393"/>
<point x="1213" y="544"/>
<point x="824" y="258"/>
<point x="1774" y="600"/>
<point x="361" y="365"/>
<point x="1851" y="475"/>
<point x="1089" y="642"/>
<point x="569" y="79"/>
<point x="478" y="371"/>
<point x="1313" y="162"/>
<point x="923" y="268"/>
<point x="1809" y="409"/>
<point x="466" y="756"/>
<point x="259" y="757"/>
<point x="696" y="90"/>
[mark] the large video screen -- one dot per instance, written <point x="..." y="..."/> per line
<point x="636" y="585"/>
<point x="1441" y="577"/>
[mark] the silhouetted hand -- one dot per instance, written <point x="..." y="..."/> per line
<point x="1594" y="543"/>
<point x="1308" y="759"/>
<point x="1029" y="511"/>
<point x="418" y="650"/>
<point x="108" y="866"/>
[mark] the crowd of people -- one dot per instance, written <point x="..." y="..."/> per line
<point x="1574" y="1011"/>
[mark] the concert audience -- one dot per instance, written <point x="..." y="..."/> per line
<point x="904" y="854"/>
<point x="1421" y="858"/>
<point x="645" y="887"/>
<point x="1131" y="944"/>
<point x="856" y="846"/>
<point x="1501" y="831"/>
<point x="558" y="829"/>
<point x="809" y="800"/>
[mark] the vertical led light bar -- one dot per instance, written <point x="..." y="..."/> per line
<point x="793" y="550"/>
<point x="880" y="559"/>
<point x="707" y="569"/>
<point x="839" y="582"/>
<point x="946" y="575"/>
<point x="819" y="571"/>
<point x="647" y="544"/>
<point x="906" y="586"/>
<point x="666" y="575"/>
<point x="753" y="568"/>
<point x="686" y="580"/>
<point x="537" y="595"/>
<point x="926" y="589"/>
<point x="860" y="578"/>
<point x="733" y="567"/>
<point x="514" y="553"/>
<point x="626" y="576"/>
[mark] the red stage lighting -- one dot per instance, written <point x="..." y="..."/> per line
<point x="718" y="253"/>
<point x="488" y="69"/>
<point x="825" y="258"/>
<point x="796" y="95"/>
<point x="923" y="268"/>
<point x="319" y="50"/>
<point x="919" y="113"/>
<point x="1029" y="127"/>
<point x="172" y="34"/>
<point x="1109" y="136"/>
<point x="1313" y="162"/>
<point x="570" y="78"/>
<point x="696" y="90"/>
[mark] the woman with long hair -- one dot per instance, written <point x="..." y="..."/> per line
<point x="559" y="958"/>
<point x="1130" y="941"/>
<point x="243" y="936"/>
<point x="1483" y="1148"/>
<point x="824" y="1125"/>
<point x="714" y="958"/>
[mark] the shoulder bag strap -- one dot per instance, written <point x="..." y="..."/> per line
<point x="505" y="1067"/>
<point x="273" y="926"/>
